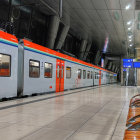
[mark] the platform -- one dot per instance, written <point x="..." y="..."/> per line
<point x="94" y="113"/>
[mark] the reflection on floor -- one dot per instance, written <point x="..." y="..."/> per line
<point x="95" y="114"/>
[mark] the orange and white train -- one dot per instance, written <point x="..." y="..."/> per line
<point x="27" y="68"/>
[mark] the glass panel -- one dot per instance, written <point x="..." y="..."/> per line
<point x="91" y="75"/>
<point x="48" y="70"/>
<point x="79" y="73"/>
<point x="62" y="71"/>
<point x="5" y="68"/>
<point x="34" y="63"/>
<point x="84" y="74"/>
<point x="58" y="69"/>
<point x="34" y="69"/>
<point x="88" y="75"/>
<point x="68" y="72"/>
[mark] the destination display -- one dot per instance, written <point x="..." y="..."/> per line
<point x="131" y="63"/>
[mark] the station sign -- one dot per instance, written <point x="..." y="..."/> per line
<point x="131" y="63"/>
<point x="127" y="63"/>
<point x="136" y="64"/>
<point x="128" y="60"/>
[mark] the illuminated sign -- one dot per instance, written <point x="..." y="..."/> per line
<point x="127" y="60"/>
<point x="102" y="62"/>
<point x="106" y="45"/>
<point x="128" y="65"/>
<point x="136" y="64"/>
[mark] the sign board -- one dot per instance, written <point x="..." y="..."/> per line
<point x="136" y="64"/>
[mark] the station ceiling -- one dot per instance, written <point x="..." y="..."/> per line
<point x="99" y="20"/>
<point x="96" y="20"/>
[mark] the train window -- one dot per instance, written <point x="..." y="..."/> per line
<point x="5" y="65"/>
<point x="79" y="73"/>
<point x="97" y="75"/>
<point x="34" y="69"/>
<point x="84" y="74"/>
<point x="62" y="71"/>
<point x="88" y="75"/>
<point x="68" y="72"/>
<point x="91" y="75"/>
<point x="48" y="70"/>
<point x="58" y="71"/>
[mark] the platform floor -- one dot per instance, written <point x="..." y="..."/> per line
<point x="82" y="114"/>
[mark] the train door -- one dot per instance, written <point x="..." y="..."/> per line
<point x="60" y="75"/>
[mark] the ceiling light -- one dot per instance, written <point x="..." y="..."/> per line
<point x="129" y="22"/>
<point x="130" y="40"/>
<point x="128" y="7"/>
<point x="130" y="45"/>
<point x="129" y="29"/>
<point x="129" y="37"/>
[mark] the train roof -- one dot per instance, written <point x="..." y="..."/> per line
<point x="6" y="36"/>
<point x="11" y="39"/>
<point x="46" y="51"/>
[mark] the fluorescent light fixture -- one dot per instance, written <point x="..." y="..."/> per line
<point x="128" y="7"/>
<point x="106" y="44"/>
<point x="129" y="29"/>
<point x="130" y="45"/>
<point x="129" y="37"/>
<point x="130" y="40"/>
<point x="129" y="22"/>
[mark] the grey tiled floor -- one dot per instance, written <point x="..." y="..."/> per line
<point x="95" y="114"/>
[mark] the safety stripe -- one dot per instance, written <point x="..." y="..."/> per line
<point x="45" y="53"/>
<point x="8" y="42"/>
<point x="57" y="57"/>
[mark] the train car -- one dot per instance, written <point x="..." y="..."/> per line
<point x="8" y="65"/>
<point x="27" y="68"/>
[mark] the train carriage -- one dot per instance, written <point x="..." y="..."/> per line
<point x="8" y="65"/>
<point x="27" y="68"/>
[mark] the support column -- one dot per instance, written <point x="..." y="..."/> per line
<point x="110" y="66"/>
<point x="62" y="37"/>
<point x="87" y="51"/>
<point x="82" y="49"/>
<point x="52" y="31"/>
<point x="116" y="69"/>
<point x="105" y="62"/>
<point x="97" y="58"/>
<point x="113" y="67"/>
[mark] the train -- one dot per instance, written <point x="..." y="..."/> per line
<point x="27" y="68"/>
